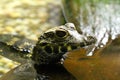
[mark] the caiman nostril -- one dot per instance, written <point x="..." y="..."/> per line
<point x="61" y="33"/>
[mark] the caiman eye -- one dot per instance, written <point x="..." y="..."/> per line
<point x="49" y="35"/>
<point x="61" y="33"/>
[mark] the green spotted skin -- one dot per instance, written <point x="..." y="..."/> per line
<point x="54" y="43"/>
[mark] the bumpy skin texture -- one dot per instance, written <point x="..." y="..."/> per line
<point x="44" y="54"/>
<point x="54" y="43"/>
<point x="50" y="47"/>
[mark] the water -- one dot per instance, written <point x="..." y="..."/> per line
<point x="100" y="19"/>
<point x="95" y="18"/>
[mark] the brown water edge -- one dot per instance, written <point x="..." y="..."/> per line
<point x="105" y="66"/>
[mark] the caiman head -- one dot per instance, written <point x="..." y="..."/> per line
<point x="55" y="42"/>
